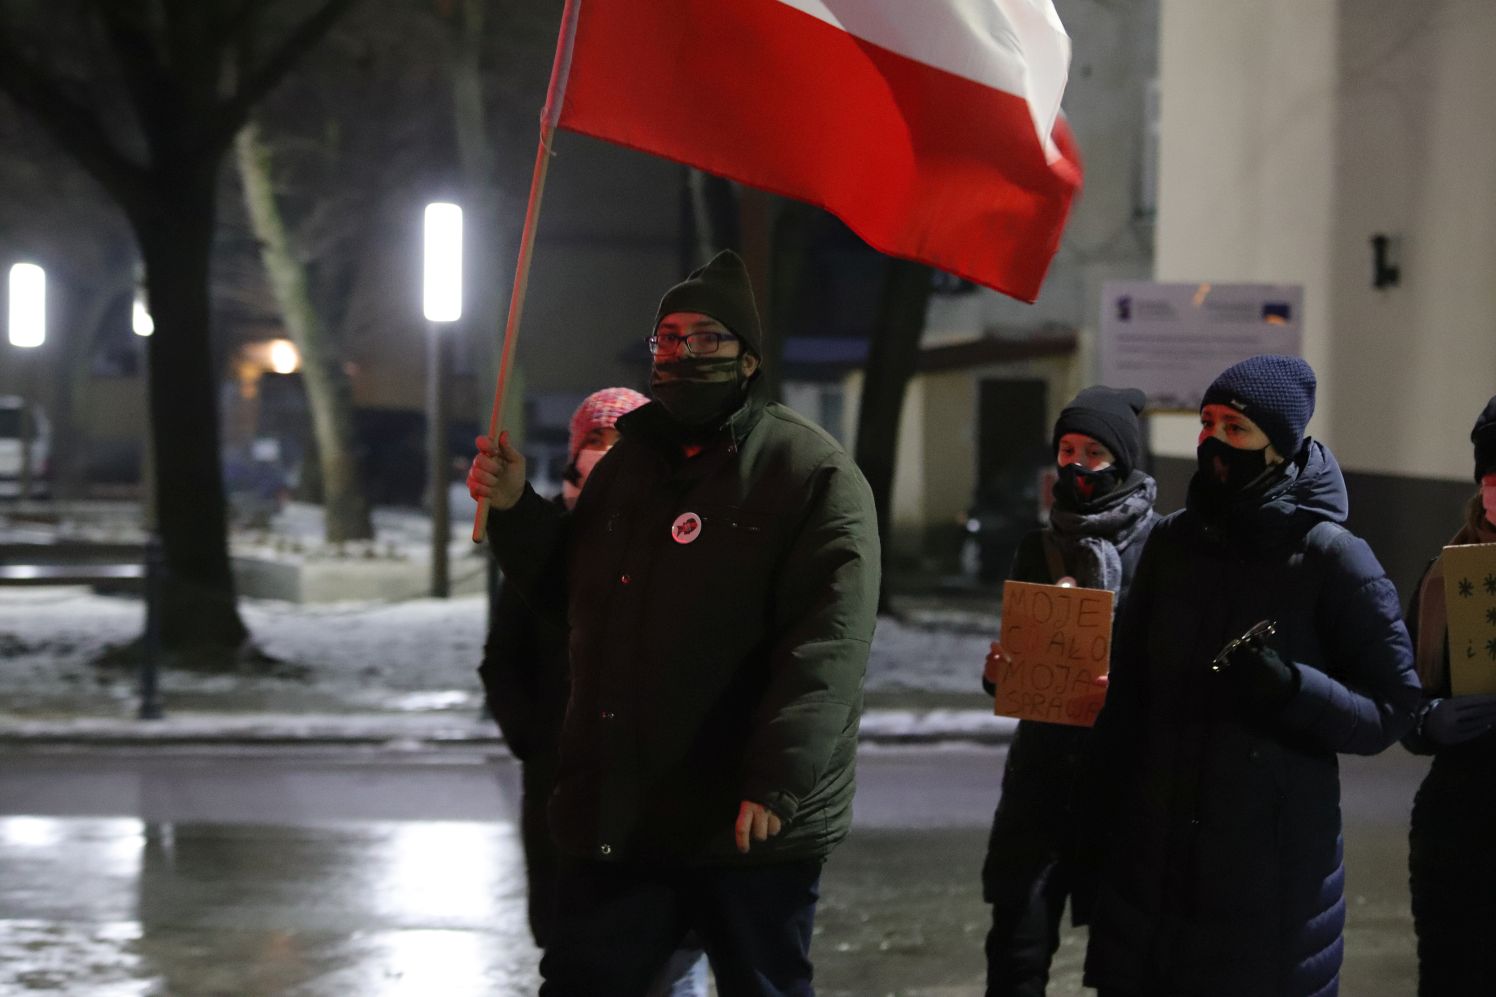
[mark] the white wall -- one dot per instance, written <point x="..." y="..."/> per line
<point x="1248" y="96"/>
<point x="1417" y="136"/>
<point x="1292" y="131"/>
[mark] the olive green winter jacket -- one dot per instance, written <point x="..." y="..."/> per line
<point x="720" y="611"/>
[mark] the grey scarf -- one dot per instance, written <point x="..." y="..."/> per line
<point x="1091" y="540"/>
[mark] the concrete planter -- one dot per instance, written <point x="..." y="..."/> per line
<point x="295" y="579"/>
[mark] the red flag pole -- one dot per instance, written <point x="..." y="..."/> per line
<point x="549" y="117"/>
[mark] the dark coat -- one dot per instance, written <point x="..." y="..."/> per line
<point x="1038" y="814"/>
<point x="707" y="672"/>
<point x="1223" y="871"/>
<point x="525" y="682"/>
<point x="1451" y="865"/>
<point x="524" y="676"/>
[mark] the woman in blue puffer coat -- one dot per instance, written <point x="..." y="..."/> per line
<point x="1222" y="872"/>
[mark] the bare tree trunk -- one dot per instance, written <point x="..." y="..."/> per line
<point x="891" y="361"/>
<point x="329" y="394"/>
<point x="198" y="611"/>
<point x="173" y="61"/>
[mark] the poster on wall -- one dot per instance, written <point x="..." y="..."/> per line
<point x="1470" y="601"/>
<point x="1171" y="340"/>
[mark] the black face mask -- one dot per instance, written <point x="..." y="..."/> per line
<point x="1226" y="470"/>
<point x="699" y="392"/>
<point x="1079" y="486"/>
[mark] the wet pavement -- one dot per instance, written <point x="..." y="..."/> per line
<point x="342" y="870"/>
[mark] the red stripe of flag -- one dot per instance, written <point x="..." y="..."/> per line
<point x="920" y="162"/>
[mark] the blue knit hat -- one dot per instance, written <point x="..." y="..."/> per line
<point x="1275" y="392"/>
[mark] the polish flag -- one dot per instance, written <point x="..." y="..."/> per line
<point x="932" y="128"/>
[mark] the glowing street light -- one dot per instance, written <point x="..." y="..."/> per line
<point x="441" y="304"/>
<point x="28" y="305"/>
<point x="442" y="300"/>
<point x="140" y="319"/>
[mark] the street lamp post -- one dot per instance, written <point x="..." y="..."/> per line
<point x="442" y="305"/>
<point x="28" y="330"/>
<point x="144" y="326"/>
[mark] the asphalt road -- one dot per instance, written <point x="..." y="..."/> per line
<point x="380" y="872"/>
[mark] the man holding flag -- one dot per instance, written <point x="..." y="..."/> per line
<point x="719" y="578"/>
<point x="720" y="573"/>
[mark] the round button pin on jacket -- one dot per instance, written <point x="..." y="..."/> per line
<point x="686" y="528"/>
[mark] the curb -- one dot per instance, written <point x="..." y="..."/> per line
<point x="430" y="731"/>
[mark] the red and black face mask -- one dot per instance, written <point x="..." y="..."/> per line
<point x="1079" y="486"/>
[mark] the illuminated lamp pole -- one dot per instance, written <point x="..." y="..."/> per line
<point x="28" y="330"/>
<point x="144" y="326"/>
<point x="442" y="305"/>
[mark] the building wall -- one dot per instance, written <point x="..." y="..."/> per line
<point x="936" y="473"/>
<point x="1292" y="131"/>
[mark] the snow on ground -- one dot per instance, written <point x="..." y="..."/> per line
<point x="48" y="637"/>
<point x="414" y="655"/>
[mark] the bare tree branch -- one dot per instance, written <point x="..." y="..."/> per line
<point x="74" y="126"/>
<point x="231" y="115"/>
<point x="192" y="60"/>
<point x="140" y="63"/>
<point x="237" y="22"/>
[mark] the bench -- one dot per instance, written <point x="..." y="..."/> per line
<point x="104" y="566"/>
<point x="112" y="566"/>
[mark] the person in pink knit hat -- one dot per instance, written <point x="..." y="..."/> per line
<point x="593" y="434"/>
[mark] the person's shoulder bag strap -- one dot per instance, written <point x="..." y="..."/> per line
<point x="1052" y="556"/>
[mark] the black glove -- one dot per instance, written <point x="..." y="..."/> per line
<point x="1457" y="719"/>
<point x="1256" y="677"/>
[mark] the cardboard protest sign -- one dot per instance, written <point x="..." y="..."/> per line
<point x="1470" y="598"/>
<point x="1058" y="642"/>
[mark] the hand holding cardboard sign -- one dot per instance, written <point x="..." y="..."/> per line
<point x="996" y="659"/>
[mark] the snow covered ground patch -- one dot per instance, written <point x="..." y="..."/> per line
<point x="412" y="655"/>
<point x="416" y="654"/>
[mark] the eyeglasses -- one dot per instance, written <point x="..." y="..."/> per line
<point x="1260" y="630"/>
<point x="697" y="344"/>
